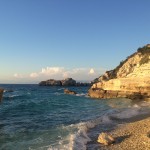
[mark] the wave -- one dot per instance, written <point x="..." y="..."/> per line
<point x="57" y="93"/>
<point x="81" y="94"/>
<point x="14" y="96"/>
<point x="79" y="138"/>
<point x="61" y="89"/>
<point x="76" y="136"/>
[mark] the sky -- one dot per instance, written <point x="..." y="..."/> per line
<point x="43" y="39"/>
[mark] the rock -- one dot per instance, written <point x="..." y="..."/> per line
<point x="1" y="94"/>
<point x="68" y="82"/>
<point x="105" y="139"/>
<point x="130" y="79"/>
<point x="42" y="83"/>
<point x="66" y="91"/>
<point x="50" y="82"/>
<point x="65" y="82"/>
<point x="82" y="84"/>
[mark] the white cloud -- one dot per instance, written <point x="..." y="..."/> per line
<point x="92" y="71"/>
<point x="61" y="73"/>
<point x="34" y="75"/>
<point x="66" y="75"/>
<point x="52" y="70"/>
<point x="16" y="75"/>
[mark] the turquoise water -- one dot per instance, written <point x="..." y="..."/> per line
<point x="44" y="118"/>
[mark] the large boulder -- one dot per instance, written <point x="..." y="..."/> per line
<point x="66" y="91"/>
<point x="68" y="82"/>
<point x="1" y="93"/>
<point x="105" y="139"/>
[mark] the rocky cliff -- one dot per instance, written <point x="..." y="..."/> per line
<point x="130" y="79"/>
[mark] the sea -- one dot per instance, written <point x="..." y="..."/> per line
<point x="36" y="117"/>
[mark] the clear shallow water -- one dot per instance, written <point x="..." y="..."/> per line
<point x="43" y="118"/>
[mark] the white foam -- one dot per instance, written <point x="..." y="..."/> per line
<point x="57" y="93"/>
<point x="106" y="119"/>
<point x="61" y="89"/>
<point x="11" y="96"/>
<point x="81" y="94"/>
<point x="78" y="139"/>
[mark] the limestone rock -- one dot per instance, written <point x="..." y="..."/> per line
<point x="68" y="82"/>
<point x="66" y="91"/>
<point x="105" y="139"/>
<point x="130" y="79"/>
<point x="1" y="93"/>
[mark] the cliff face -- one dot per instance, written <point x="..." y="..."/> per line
<point x="130" y="79"/>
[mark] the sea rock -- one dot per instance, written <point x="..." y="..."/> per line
<point x="65" y="82"/>
<point x="68" y="82"/>
<point x="105" y="139"/>
<point x="82" y="84"/>
<point x="67" y="91"/>
<point x="50" y="82"/>
<point x="1" y="94"/>
<point x="130" y="79"/>
<point x="42" y="83"/>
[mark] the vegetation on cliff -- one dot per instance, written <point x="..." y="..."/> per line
<point x="130" y="79"/>
<point x="144" y="57"/>
<point x="145" y="51"/>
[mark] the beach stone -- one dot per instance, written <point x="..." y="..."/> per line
<point x="1" y="93"/>
<point x="66" y="91"/>
<point x="105" y="139"/>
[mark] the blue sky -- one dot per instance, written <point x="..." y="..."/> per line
<point x="77" y="38"/>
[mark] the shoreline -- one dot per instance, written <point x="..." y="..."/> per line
<point x="130" y="134"/>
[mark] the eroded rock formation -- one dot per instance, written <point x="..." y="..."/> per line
<point x="65" y="82"/>
<point x="67" y="91"/>
<point x="130" y="79"/>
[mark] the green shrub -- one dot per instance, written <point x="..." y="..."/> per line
<point x="144" y="60"/>
<point x="144" y="50"/>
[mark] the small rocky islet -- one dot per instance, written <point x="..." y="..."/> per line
<point x="65" y="82"/>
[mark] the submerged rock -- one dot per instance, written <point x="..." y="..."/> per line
<point x="1" y="94"/>
<point x="67" y="91"/>
<point x="105" y="139"/>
